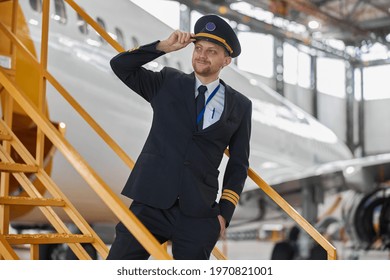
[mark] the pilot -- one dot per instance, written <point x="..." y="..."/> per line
<point x="174" y="184"/>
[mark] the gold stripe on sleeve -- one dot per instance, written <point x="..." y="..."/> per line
<point x="231" y="196"/>
<point x="230" y="199"/>
<point x="232" y="193"/>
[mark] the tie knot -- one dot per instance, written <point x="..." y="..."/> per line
<point x="202" y="89"/>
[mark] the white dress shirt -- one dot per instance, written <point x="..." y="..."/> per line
<point x="215" y="107"/>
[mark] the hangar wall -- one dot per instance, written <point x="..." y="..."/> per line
<point x="332" y="113"/>
<point x="377" y="126"/>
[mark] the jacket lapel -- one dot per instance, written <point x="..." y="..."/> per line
<point x="188" y="85"/>
<point x="229" y="104"/>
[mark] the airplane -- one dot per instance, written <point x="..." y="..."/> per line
<point x="290" y="149"/>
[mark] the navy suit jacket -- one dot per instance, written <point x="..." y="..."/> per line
<point x="177" y="161"/>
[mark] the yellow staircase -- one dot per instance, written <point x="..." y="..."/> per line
<point x="22" y="173"/>
<point x="26" y="165"/>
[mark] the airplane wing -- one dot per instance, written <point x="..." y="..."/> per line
<point x="359" y="174"/>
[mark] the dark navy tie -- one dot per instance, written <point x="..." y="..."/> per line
<point x="200" y="104"/>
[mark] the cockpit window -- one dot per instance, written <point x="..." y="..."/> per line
<point x="119" y="37"/>
<point x="82" y="24"/>
<point x="36" y="5"/>
<point x="60" y="11"/>
<point x="135" y="42"/>
<point x="103" y="25"/>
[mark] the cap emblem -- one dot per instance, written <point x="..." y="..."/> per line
<point x="210" y="26"/>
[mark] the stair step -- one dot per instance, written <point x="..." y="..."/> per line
<point x="17" y="167"/>
<point x="17" y="239"/>
<point x="21" y="200"/>
<point x="5" y="136"/>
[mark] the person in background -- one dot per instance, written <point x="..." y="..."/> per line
<point x="287" y="249"/>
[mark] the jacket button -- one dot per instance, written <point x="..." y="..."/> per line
<point x="187" y="162"/>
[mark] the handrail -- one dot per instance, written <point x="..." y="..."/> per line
<point x="252" y="174"/>
<point x="94" y="125"/>
<point x="282" y="203"/>
<point x="95" y="26"/>
<point x="331" y="250"/>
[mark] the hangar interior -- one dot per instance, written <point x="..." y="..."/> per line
<point x="351" y="35"/>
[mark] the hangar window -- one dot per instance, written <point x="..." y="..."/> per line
<point x="103" y="25"/>
<point x="36" y="5"/>
<point x="376" y="82"/>
<point x="304" y="70"/>
<point x="60" y="11"/>
<point x="120" y="37"/>
<point x="290" y="64"/>
<point x="296" y="66"/>
<point x="82" y="24"/>
<point x="329" y="69"/>
<point x="257" y="53"/>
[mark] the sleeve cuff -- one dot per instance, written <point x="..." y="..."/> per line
<point x="227" y="204"/>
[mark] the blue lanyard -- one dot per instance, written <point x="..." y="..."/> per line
<point x="201" y="113"/>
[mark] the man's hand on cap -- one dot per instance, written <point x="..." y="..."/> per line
<point x="176" y="41"/>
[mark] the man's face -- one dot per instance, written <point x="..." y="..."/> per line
<point x="208" y="59"/>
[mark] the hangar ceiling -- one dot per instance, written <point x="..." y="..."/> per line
<point x="342" y="28"/>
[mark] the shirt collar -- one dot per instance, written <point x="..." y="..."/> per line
<point x="210" y="86"/>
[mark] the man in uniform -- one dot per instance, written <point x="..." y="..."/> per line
<point x="174" y="183"/>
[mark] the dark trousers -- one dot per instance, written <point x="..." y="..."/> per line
<point x="192" y="238"/>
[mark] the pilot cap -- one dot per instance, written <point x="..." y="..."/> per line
<point x="215" y="29"/>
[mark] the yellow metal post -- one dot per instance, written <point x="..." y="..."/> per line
<point x="34" y="251"/>
<point x="42" y="81"/>
<point x="14" y="21"/>
<point x="7" y="115"/>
